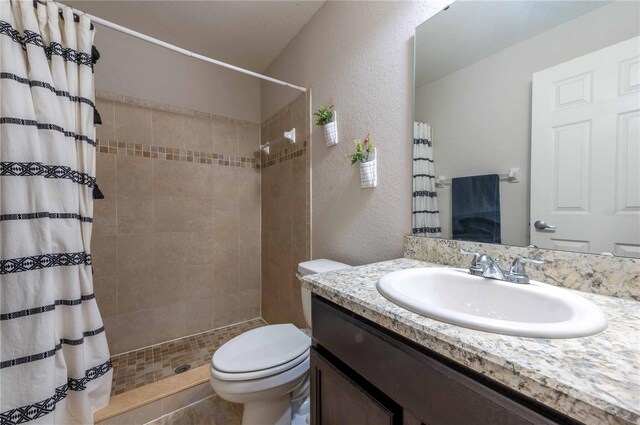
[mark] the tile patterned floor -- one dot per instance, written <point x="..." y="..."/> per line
<point x="146" y="365"/>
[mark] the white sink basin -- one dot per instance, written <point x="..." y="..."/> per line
<point x="454" y="296"/>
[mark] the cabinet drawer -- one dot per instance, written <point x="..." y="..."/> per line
<point x="429" y="389"/>
<point x="338" y="400"/>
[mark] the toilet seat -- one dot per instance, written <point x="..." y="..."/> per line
<point x="261" y="352"/>
<point x="257" y="374"/>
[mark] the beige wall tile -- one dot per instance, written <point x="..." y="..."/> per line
<point x="249" y="270"/>
<point x="225" y="310"/>
<point x="111" y="332"/>
<point x="226" y="214"/>
<point x="134" y="254"/>
<point x="169" y="214"/>
<point x="225" y="182"/>
<point x="106" y="173"/>
<point x="104" y="216"/>
<point x="103" y="255"/>
<point x="168" y="129"/>
<point x="135" y="291"/>
<point x="300" y="120"/>
<point x="132" y="124"/>
<point x="135" y="214"/>
<point x="199" y="281"/>
<point x="225" y="136"/>
<point x="226" y="276"/>
<point x="168" y="285"/>
<point x="199" y="316"/>
<point x="185" y="238"/>
<point x="280" y="181"/>
<point x="250" y="214"/>
<point x="199" y="214"/>
<point x="279" y="214"/>
<point x="249" y="142"/>
<point x="269" y="133"/>
<point x="284" y="120"/>
<point x="198" y="134"/>
<point x="269" y="305"/>
<point x="135" y="330"/>
<point x="169" y="322"/>
<point x="199" y="180"/>
<point x="134" y="175"/>
<point x="170" y="248"/>
<point x="106" y="290"/>
<point x="169" y="178"/>
<point x="106" y="109"/>
<point x="248" y="183"/>
<point x="299" y="176"/>
<point x="200" y="247"/>
<point x="249" y="238"/>
<point x="249" y="304"/>
<point x="299" y="215"/>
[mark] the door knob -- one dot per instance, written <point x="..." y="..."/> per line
<point x="542" y="225"/>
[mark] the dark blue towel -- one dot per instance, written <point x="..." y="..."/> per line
<point x="476" y="208"/>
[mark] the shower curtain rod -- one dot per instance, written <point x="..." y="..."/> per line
<point x="185" y="52"/>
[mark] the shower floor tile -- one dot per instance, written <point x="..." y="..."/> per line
<point x="146" y="365"/>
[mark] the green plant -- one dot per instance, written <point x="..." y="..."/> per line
<point x="324" y="115"/>
<point x="363" y="149"/>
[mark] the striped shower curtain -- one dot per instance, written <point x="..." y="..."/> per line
<point x="54" y="359"/>
<point x="425" y="216"/>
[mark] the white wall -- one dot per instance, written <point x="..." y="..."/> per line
<point x="136" y="68"/>
<point x="481" y="114"/>
<point x="360" y="54"/>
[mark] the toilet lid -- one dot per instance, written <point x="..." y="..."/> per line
<point x="261" y="348"/>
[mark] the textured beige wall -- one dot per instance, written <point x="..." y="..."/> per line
<point x="360" y="54"/>
<point x="139" y="69"/>
<point x="176" y="241"/>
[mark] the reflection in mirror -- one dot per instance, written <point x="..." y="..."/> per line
<point x="527" y="125"/>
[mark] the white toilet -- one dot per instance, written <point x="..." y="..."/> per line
<point x="266" y="368"/>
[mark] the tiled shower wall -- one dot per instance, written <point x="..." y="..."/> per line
<point x="286" y="212"/>
<point x="176" y="241"/>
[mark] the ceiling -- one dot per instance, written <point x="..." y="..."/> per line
<point x="469" y="31"/>
<point x="249" y="34"/>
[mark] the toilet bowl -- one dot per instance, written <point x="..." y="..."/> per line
<point x="265" y="367"/>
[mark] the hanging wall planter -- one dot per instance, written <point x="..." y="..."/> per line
<point x="326" y="118"/>
<point x="369" y="171"/>
<point x="367" y="156"/>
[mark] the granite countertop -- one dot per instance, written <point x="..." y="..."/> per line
<point x="594" y="379"/>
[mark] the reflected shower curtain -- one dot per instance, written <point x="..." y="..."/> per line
<point x="54" y="359"/>
<point x="425" y="216"/>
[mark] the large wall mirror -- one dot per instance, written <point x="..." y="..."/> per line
<point x="527" y="125"/>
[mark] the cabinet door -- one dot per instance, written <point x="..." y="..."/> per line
<point x="338" y="400"/>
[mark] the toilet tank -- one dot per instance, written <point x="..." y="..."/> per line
<point x="314" y="267"/>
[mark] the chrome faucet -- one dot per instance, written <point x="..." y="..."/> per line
<point x="485" y="266"/>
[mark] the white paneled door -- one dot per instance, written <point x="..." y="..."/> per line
<point x="585" y="153"/>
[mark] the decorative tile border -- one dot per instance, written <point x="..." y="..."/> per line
<point x="611" y="276"/>
<point x="283" y="155"/>
<point x="149" y="364"/>
<point x="114" y="147"/>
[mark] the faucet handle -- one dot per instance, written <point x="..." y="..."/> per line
<point x="476" y="255"/>
<point x="475" y="266"/>
<point x="517" y="267"/>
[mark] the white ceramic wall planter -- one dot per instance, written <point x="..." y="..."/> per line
<point x="369" y="171"/>
<point x="331" y="131"/>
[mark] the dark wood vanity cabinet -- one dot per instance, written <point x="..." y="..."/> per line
<point x="364" y="374"/>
